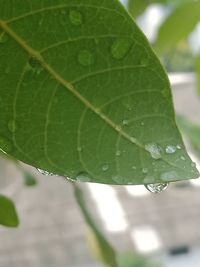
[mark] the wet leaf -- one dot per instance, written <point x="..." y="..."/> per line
<point x="83" y="95"/>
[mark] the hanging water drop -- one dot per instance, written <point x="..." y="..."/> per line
<point x="120" y="48"/>
<point x="154" y="150"/>
<point x="85" y="58"/>
<point x="183" y="158"/>
<point x="83" y="177"/>
<point x="157" y="188"/>
<point x="46" y="173"/>
<point x="178" y="146"/>
<point x="170" y="149"/>
<point x="75" y="17"/>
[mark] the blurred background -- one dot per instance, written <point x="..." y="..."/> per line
<point x="146" y="230"/>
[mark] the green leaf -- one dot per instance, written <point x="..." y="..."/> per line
<point x="198" y="73"/>
<point x="83" y="95"/>
<point x="29" y="179"/>
<point x="177" y="26"/>
<point x="8" y="214"/>
<point x="100" y="247"/>
<point x="192" y="132"/>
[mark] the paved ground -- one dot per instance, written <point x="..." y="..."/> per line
<point x="51" y="233"/>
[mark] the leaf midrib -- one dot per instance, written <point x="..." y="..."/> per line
<point x="67" y="85"/>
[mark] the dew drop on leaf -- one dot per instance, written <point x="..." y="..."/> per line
<point x="105" y="167"/>
<point x="118" y="153"/>
<point x="154" y="150"/>
<point x="157" y="188"/>
<point x="5" y="144"/>
<point x="12" y="126"/>
<point x="178" y="147"/>
<point x="125" y="122"/>
<point x="183" y="158"/>
<point x="145" y="170"/>
<point x="75" y="17"/>
<point x="120" y="48"/>
<point x="83" y="177"/>
<point x="46" y="173"/>
<point x="169" y="176"/>
<point x="170" y="149"/>
<point x="85" y="58"/>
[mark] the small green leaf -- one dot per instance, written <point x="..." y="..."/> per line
<point x="177" y="26"/>
<point x="100" y="247"/>
<point x="198" y="73"/>
<point x="29" y="179"/>
<point x="192" y="132"/>
<point x="8" y="214"/>
<point x="81" y="89"/>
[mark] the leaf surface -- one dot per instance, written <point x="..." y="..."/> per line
<point x="8" y="215"/>
<point x="83" y="95"/>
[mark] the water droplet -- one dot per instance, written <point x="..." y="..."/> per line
<point x="170" y="149"/>
<point x="134" y="167"/>
<point x="12" y="126"/>
<point x="169" y="176"/>
<point x="142" y="123"/>
<point x="120" y="48"/>
<point x="79" y="149"/>
<point x="85" y="58"/>
<point x="125" y="122"/>
<point x="3" y="38"/>
<point x="5" y="144"/>
<point x="46" y="173"/>
<point x="178" y="146"/>
<point x="154" y="150"/>
<point x="118" y="128"/>
<point x="71" y="180"/>
<point x="105" y="167"/>
<point x="183" y="158"/>
<point x="145" y="170"/>
<point x="75" y="17"/>
<point x="83" y="177"/>
<point x="157" y="188"/>
<point x="118" y="153"/>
